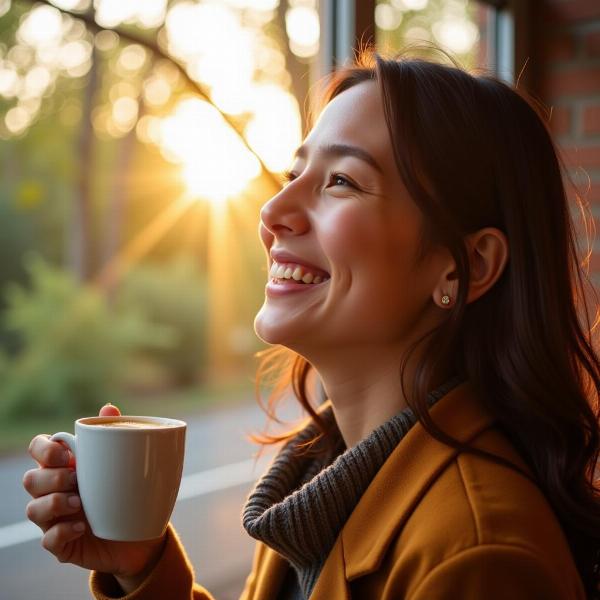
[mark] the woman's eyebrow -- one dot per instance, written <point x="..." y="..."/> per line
<point x="338" y="150"/>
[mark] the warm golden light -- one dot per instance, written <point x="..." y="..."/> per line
<point x="275" y="130"/>
<point x="303" y="30"/>
<point x="457" y="34"/>
<point x="41" y="26"/>
<point x="17" y="119"/>
<point x="215" y="164"/>
<point x="145" y="13"/>
<point x="10" y="82"/>
<point x="387" y="17"/>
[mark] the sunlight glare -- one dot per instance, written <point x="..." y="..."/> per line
<point x="234" y="62"/>
<point x="125" y="113"/>
<point x="145" y="13"/>
<point x="17" y="120"/>
<point x="260" y="5"/>
<point x="215" y="164"/>
<point x="157" y="91"/>
<point x="458" y="35"/>
<point x="230" y="96"/>
<point x="74" y="54"/>
<point x="4" y="7"/>
<point x="37" y="81"/>
<point x="414" y="4"/>
<point x="275" y="130"/>
<point x="41" y="26"/>
<point x="72" y="4"/>
<point x="194" y="29"/>
<point x="303" y="30"/>
<point x="10" y="82"/>
<point x="132" y="57"/>
<point x="387" y="17"/>
<point x="106" y="40"/>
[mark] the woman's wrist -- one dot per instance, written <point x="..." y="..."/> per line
<point x="130" y="583"/>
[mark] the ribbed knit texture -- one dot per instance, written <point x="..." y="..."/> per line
<point x="300" y="505"/>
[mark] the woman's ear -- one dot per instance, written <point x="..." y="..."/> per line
<point x="488" y="254"/>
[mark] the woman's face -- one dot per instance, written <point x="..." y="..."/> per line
<point x="356" y="222"/>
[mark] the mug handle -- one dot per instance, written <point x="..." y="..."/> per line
<point x="67" y="438"/>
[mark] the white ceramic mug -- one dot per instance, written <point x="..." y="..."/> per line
<point x="128" y="478"/>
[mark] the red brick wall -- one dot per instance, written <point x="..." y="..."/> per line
<point x="566" y="52"/>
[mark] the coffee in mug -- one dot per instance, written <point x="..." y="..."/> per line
<point x="131" y="424"/>
<point x="128" y="473"/>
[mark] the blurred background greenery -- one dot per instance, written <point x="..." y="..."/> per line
<point x="138" y="140"/>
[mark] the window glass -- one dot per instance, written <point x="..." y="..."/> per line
<point x="464" y="28"/>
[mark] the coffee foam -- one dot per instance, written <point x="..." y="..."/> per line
<point x="132" y="424"/>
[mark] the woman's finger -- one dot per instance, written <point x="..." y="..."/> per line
<point x="47" y="453"/>
<point x="39" y="482"/>
<point x="59" y="535"/>
<point x="52" y="506"/>
<point x="110" y="410"/>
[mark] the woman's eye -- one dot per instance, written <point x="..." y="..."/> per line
<point x="338" y="177"/>
<point x="288" y="176"/>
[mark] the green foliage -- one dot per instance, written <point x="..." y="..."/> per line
<point x="74" y="349"/>
<point x="174" y="296"/>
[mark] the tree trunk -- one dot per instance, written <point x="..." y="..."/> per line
<point x="80" y="240"/>
<point x="297" y="70"/>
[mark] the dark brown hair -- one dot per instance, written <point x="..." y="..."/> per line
<point x="476" y="152"/>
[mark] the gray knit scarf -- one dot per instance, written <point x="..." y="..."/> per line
<point x="301" y="504"/>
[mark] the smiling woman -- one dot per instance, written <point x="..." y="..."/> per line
<point x="442" y="311"/>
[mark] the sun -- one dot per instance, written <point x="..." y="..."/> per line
<point x="214" y="162"/>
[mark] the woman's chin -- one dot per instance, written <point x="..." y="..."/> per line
<point x="274" y="333"/>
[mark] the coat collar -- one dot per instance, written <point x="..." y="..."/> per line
<point x="409" y="471"/>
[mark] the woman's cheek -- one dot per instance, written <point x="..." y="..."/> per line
<point x="346" y="232"/>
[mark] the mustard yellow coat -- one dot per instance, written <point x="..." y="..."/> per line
<point x="433" y="525"/>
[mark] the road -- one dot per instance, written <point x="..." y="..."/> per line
<point x="218" y="474"/>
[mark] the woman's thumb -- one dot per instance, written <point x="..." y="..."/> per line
<point x="109" y="410"/>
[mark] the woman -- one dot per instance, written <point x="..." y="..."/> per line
<point x="423" y="269"/>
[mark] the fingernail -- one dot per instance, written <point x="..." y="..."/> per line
<point x="79" y="526"/>
<point x="74" y="501"/>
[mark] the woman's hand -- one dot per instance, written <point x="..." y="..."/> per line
<point x="56" y="509"/>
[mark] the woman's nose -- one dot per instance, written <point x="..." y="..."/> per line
<point x="284" y="213"/>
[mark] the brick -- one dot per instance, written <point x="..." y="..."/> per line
<point x="591" y="44"/>
<point x="591" y="120"/>
<point x="561" y="11"/>
<point x="558" y="47"/>
<point x="579" y="80"/>
<point x="581" y="156"/>
<point x="560" y="121"/>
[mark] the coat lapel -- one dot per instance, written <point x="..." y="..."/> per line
<point x="267" y="574"/>
<point x="403" y="479"/>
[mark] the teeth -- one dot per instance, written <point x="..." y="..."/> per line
<point x="295" y="272"/>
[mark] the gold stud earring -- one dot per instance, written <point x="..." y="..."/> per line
<point x="445" y="299"/>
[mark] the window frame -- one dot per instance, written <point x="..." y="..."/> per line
<point x="348" y="24"/>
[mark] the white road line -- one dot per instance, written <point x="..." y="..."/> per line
<point x="192" y="486"/>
